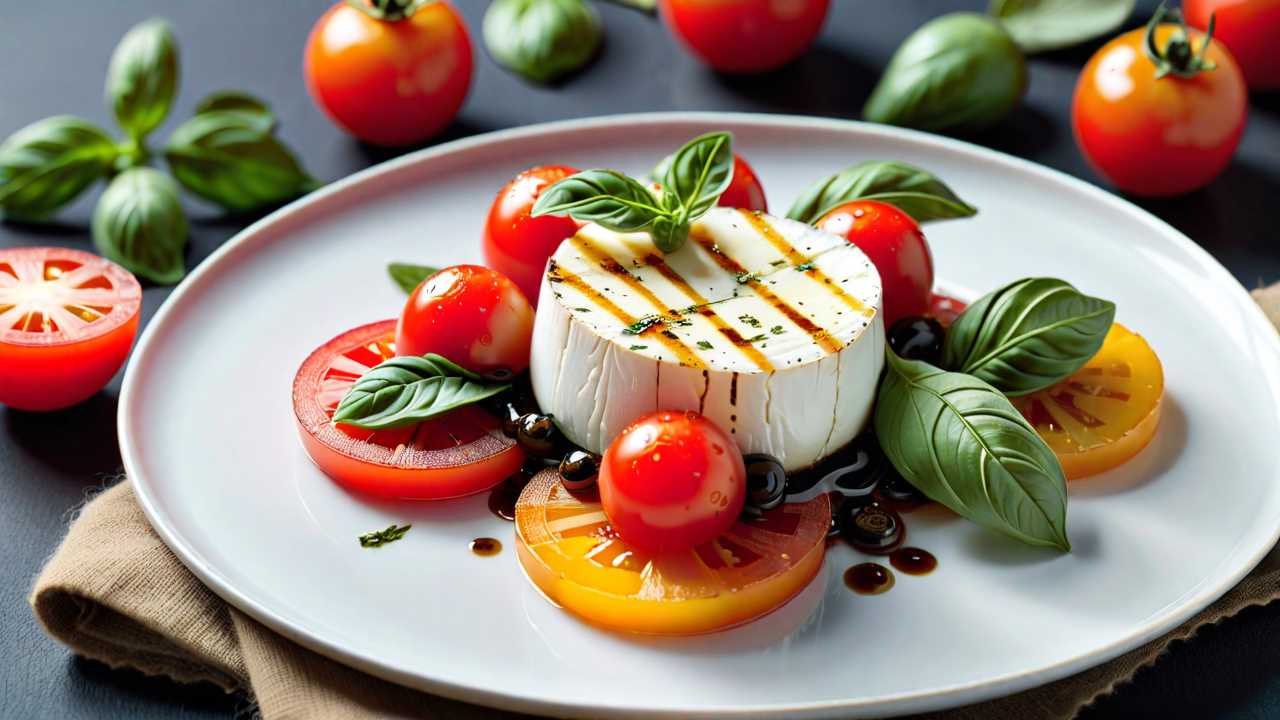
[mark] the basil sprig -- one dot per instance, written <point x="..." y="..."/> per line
<point x="46" y="164"/>
<point x="409" y="276"/>
<point x="226" y="154"/>
<point x="1040" y="25"/>
<point x="963" y="444"/>
<point x="142" y="78"/>
<point x="698" y="173"/>
<point x="1028" y="335"/>
<point x="542" y="39"/>
<point x="958" y="71"/>
<point x="229" y="157"/>
<point x="407" y="390"/>
<point x="918" y="193"/>
<point x="139" y="224"/>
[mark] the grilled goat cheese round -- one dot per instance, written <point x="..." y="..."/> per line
<point x="767" y="326"/>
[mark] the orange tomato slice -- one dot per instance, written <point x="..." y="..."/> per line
<point x="1106" y="412"/>
<point x="569" y="551"/>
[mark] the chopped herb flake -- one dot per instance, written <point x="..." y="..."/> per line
<point x="744" y="278"/>
<point x="778" y="263"/>
<point x="642" y="324"/>
<point x="749" y="320"/>
<point x="757" y="338"/>
<point x="378" y="538"/>
<point x="637" y="347"/>
<point x="704" y="345"/>
<point x="804" y="266"/>
<point x="583" y="309"/>
<point x="777" y="330"/>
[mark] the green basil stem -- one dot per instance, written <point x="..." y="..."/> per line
<point x="1177" y="57"/>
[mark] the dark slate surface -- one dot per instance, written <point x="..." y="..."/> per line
<point x="54" y="57"/>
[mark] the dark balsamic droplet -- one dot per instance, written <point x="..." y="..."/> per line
<point x="870" y="527"/>
<point x="579" y="469"/>
<point x="766" y="483"/>
<point x="868" y="578"/>
<point x="917" y="338"/>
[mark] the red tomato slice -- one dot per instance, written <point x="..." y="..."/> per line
<point x="456" y="454"/>
<point x="67" y="320"/>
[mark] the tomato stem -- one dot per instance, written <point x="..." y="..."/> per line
<point x="1177" y="57"/>
<point x="389" y="10"/>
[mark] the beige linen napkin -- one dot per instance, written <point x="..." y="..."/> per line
<point x="113" y="592"/>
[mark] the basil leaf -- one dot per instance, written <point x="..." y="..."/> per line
<point x="1028" y="335"/>
<point x="958" y="71"/>
<point x="963" y="444"/>
<point x="406" y="390"/>
<point x="542" y="39"/>
<point x="143" y="77"/>
<point x="1039" y="25"/>
<point x="605" y="197"/>
<point x="46" y="164"/>
<point x="139" y="224"/>
<point x="916" y="192"/>
<point x="226" y="157"/>
<point x="698" y="174"/>
<point x="254" y="111"/>
<point x="409" y="277"/>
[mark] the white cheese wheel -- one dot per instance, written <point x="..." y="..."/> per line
<point x="767" y="326"/>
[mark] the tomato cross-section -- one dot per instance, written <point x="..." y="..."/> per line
<point x="569" y="551"/>
<point x="459" y="453"/>
<point x="67" y="320"/>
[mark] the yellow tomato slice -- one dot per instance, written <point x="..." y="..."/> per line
<point x="569" y="551"/>
<point x="1106" y="412"/>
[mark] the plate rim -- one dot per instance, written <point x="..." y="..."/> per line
<point x="1168" y="618"/>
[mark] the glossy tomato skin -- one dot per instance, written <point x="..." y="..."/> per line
<point x="1157" y="137"/>
<point x="1251" y="31"/>
<point x="895" y="244"/>
<point x="672" y="480"/>
<point x="41" y="372"/>
<point x="518" y="245"/>
<point x="471" y="315"/>
<point x="390" y="82"/>
<point x="745" y="36"/>
<point x="745" y="190"/>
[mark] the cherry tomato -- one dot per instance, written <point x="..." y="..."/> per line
<point x="67" y="321"/>
<point x="1158" y="136"/>
<point x="458" y="453"/>
<point x="580" y="563"/>
<point x="743" y="36"/>
<point x="745" y="190"/>
<point x="1251" y="31"/>
<point x="517" y="245"/>
<point x="389" y="82"/>
<point x="894" y="243"/>
<point x="471" y="315"/>
<point x="672" y="480"/>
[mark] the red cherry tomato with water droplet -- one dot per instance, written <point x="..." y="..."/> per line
<point x="672" y="480"/>
<point x="518" y="245"/>
<point x="894" y="243"/>
<point x="471" y="315"/>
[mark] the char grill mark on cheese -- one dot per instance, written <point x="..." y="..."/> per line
<point x="796" y="258"/>
<point x="559" y="274"/>
<point x="705" y="309"/>
<point x="819" y="336"/>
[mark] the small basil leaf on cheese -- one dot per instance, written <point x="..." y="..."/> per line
<point x="1028" y="335"/>
<point x="693" y="178"/>
<point x="606" y="197"/>
<point x="699" y="173"/>
<point x="407" y="390"/>
<point x="963" y="444"/>
<point x="917" y="192"/>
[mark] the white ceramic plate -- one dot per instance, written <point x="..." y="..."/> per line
<point x="207" y="435"/>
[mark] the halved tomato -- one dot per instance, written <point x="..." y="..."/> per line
<point x="569" y="551"/>
<point x="67" y="320"/>
<point x="945" y="309"/>
<point x="459" y="453"/>
<point x="1106" y="412"/>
